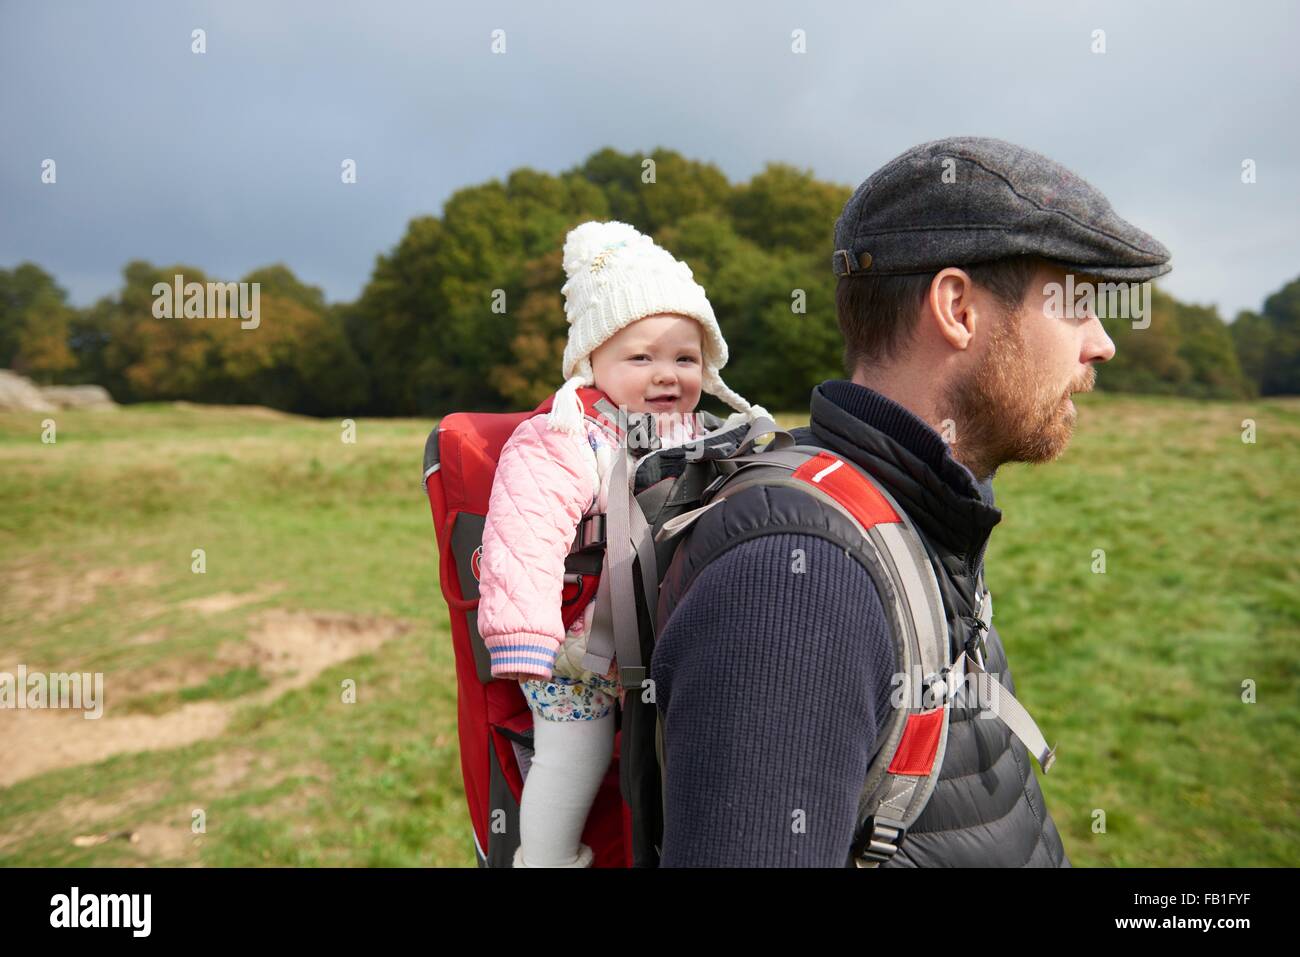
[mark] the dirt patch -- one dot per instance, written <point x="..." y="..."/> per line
<point x="45" y="591"/>
<point x="290" y="648"/>
<point x="228" y="770"/>
<point x="165" y="842"/>
<point x="225" y="601"/>
<point x="164" y="676"/>
<point x="154" y="843"/>
<point x="244" y="770"/>
<point x="41" y="741"/>
<point x="83" y="814"/>
<point x="150" y="637"/>
<point x="85" y="818"/>
<point x="251" y="411"/>
<point x="297" y="647"/>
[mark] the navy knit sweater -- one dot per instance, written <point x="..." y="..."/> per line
<point x="774" y="686"/>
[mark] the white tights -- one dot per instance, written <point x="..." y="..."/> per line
<point x="569" y="761"/>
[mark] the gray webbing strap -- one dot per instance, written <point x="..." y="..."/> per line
<point x="674" y="525"/>
<point x="1002" y="703"/>
<point x="607" y="409"/>
<point x="645" y="551"/>
<point x="758" y="428"/>
<point x="778" y="456"/>
<point x="600" y="640"/>
<point x="614" y="630"/>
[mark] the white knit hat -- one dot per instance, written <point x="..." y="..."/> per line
<point x="616" y="275"/>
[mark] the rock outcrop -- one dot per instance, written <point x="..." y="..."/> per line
<point x="20" y="394"/>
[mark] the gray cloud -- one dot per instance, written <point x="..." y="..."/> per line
<point x="230" y="160"/>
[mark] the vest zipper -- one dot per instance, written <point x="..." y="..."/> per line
<point x="976" y="567"/>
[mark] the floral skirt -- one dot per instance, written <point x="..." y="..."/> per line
<point x="568" y="699"/>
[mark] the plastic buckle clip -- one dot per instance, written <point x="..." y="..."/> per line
<point x="937" y="687"/>
<point x="591" y="533"/>
<point x="883" y="835"/>
<point x="975" y="645"/>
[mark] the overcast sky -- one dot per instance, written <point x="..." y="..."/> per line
<point x="231" y="159"/>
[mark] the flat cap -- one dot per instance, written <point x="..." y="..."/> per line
<point x="971" y="199"/>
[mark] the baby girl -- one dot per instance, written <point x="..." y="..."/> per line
<point x="641" y="331"/>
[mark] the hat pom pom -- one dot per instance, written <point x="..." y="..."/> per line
<point x="584" y="243"/>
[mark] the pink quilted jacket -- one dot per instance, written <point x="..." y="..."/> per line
<point x="545" y="483"/>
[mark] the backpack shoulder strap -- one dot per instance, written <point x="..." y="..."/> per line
<point x="895" y="791"/>
<point x="630" y="562"/>
<point x="903" y="773"/>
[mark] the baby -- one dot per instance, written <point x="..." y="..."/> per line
<point x="641" y="331"/>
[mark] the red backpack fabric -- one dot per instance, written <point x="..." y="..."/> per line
<point x="493" y="718"/>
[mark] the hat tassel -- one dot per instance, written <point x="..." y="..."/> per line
<point x="567" y="413"/>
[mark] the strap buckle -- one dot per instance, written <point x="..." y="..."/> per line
<point x="976" y="645"/>
<point x="938" y="684"/>
<point x="591" y="533"/>
<point x="880" y="840"/>
<point x="631" y="677"/>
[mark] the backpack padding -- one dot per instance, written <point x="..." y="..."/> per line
<point x="494" y="721"/>
<point x="895" y="790"/>
<point x="465" y="540"/>
<point x="488" y="764"/>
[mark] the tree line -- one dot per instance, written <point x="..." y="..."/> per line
<point x="465" y="312"/>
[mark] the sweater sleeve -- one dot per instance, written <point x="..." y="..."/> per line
<point x="545" y="481"/>
<point x="773" y="685"/>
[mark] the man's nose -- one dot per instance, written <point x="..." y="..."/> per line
<point x="1097" y="344"/>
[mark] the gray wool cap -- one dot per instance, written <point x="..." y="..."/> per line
<point x="971" y="199"/>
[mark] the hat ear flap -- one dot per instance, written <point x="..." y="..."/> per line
<point x="714" y="386"/>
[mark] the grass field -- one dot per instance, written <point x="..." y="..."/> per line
<point x="225" y="690"/>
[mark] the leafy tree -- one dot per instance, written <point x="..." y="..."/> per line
<point x="440" y="312"/>
<point x="1281" y="375"/>
<point x="778" y="354"/>
<point x="466" y="310"/>
<point x="1252" y="336"/>
<point x="1186" y="350"/>
<point x="297" y="358"/>
<point x="784" y="209"/>
<point x="34" y="323"/>
<point x="618" y="177"/>
<point x="531" y="371"/>
<point x="681" y="188"/>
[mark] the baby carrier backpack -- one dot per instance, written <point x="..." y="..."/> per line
<point x="618" y="560"/>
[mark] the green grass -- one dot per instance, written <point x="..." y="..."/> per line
<point x="234" y="683"/>
<point x="1135" y="674"/>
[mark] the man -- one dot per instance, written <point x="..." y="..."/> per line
<point x="774" y="685"/>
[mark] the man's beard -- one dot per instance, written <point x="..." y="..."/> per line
<point x="1004" y="412"/>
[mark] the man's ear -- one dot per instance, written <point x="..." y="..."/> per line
<point x="951" y="307"/>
